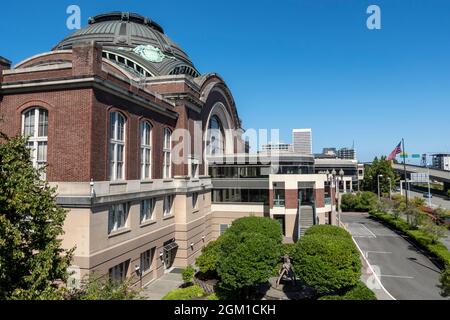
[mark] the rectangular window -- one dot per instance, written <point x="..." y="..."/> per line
<point x="119" y="273"/>
<point x="195" y="200"/>
<point x="43" y="123"/>
<point x="118" y="216"/>
<point x="167" y="154"/>
<point x="147" y="260"/>
<point x="147" y="208"/>
<point x="168" y="204"/>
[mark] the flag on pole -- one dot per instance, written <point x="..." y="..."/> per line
<point x="395" y="152"/>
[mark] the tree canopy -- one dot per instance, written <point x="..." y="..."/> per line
<point x="32" y="262"/>
<point x="379" y="167"/>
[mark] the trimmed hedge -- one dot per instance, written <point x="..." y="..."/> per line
<point x="419" y="237"/>
<point x="188" y="293"/>
<point x="328" y="230"/>
<point x="359" y="292"/>
<point x="329" y="264"/>
<point x="264" y="226"/>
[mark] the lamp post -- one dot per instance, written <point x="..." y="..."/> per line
<point x="341" y="174"/>
<point x="378" y="180"/>
<point x="390" y="188"/>
<point x="332" y="179"/>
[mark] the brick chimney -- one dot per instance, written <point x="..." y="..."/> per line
<point x="86" y="59"/>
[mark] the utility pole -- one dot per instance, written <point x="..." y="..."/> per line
<point x="406" y="176"/>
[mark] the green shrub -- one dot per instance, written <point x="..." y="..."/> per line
<point x="445" y="282"/>
<point x="246" y="260"/>
<point x="264" y="226"/>
<point x="188" y="293"/>
<point x="213" y="297"/>
<point x="188" y="275"/>
<point x="207" y="261"/>
<point x="288" y="248"/>
<point x="101" y="288"/>
<point x="328" y="230"/>
<point x="329" y="264"/>
<point x="359" y="202"/>
<point x="359" y="292"/>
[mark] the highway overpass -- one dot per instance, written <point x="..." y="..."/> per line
<point x="437" y="175"/>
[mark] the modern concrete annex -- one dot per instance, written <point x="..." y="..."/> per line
<point x="104" y="111"/>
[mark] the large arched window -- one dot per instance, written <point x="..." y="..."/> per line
<point x="167" y="168"/>
<point x="35" y="129"/>
<point x="215" y="143"/>
<point x="146" y="150"/>
<point x="116" y="146"/>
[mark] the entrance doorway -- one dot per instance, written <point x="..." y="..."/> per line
<point x="306" y="196"/>
<point x="170" y="252"/>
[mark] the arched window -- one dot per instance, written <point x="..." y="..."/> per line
<point x="216" y="139"/>
<point x="35" y="128"/>
<point x="146" y="150"/>
<point x="167" y="168"/>
<point x="116" y="146"/>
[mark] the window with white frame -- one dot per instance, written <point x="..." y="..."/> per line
<point x="147" y="208"/>
<point x="193" y="168"/>
<point x="147" y="260"/>
<point x="118" y="216"/>
<point x="119" y="273"/>
<point x="35" y="129"/>
<point x="195" y="200"/>
<point x="168" y="204"/>
<point x="146" y="150"/>
<point x="117" y="146"/>
<point x="167" y="168"/>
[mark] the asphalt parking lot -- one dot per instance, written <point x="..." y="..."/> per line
<point x="405" y="272"/>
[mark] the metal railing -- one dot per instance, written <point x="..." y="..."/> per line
<point x="279" y="202"/>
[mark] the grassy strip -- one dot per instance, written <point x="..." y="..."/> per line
<point x="421" y="238"/>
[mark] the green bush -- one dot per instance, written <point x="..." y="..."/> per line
<point x="359" y="202"/>
<point x="188" y="275"/>
<point x="188" y="293"/>
<point x="207" y="261"/>
<point x="213" y="297"/>
<point x="359" y="292"/>
<point x="330" y="230"/>
<point x="264" y="226"/>
<point x="288" y="248"/>
<point x="329" y="264"/>
<point x="445" y="282"/>
<point x="101" y="288"/>
<point x="246" y="260"/>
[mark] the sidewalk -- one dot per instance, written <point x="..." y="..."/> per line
<point x="160" y="287"/>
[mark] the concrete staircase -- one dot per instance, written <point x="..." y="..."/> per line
<point x="306" y="218"/>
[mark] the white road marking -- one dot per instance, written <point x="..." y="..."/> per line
<point x="376" y="252"/>
<point x="373" y="234"/>
<point x="391" y="276"/>
<point x="373" y="272"/>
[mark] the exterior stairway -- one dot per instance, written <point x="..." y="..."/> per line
<point x="306" y="218"/>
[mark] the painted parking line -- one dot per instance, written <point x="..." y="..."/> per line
<point x="392" y="276"/>
<point x="370" y="231"/>
<point x="376" y="252"/>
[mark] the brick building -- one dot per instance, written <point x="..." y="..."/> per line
<point x="106" y="111"/>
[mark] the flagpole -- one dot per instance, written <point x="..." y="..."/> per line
<point x="406" y="176"/>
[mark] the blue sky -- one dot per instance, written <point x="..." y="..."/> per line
<point x="296" y="64"/>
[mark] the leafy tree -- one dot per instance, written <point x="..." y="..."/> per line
<point x="188" y="275"/>
<point x="264" y="226"/>
<point x="360" y="202"/>
<point x="379" y="167"/>
<point x="246" y="260"/>
<point x="435" y="231"/>
<point x="32" y="263"/>
<point x="418" y="202"/>
<point x="329" y="264"/>
<point x="445" y="282"/>
<point x="101" y="288"/>
<point x="207" y="261"/>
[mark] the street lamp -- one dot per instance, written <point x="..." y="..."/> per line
<point x="341" y="174"/>
<point x="378" y="180"/>
<point x="390" y="187"/>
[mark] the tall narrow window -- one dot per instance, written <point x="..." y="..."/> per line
<point x="215" y="137"/>
<point x="146" y="150"/>
<point x="168" y="204"/>
<point x="35" y="128"/>
<point x="167" y="168"/>
<point x="116" y="146"/>
<point x="118" y="216"/>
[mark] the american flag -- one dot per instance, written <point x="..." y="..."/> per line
<point x="395" y="152"/>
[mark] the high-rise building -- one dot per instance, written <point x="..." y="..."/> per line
<point x="279" y="147"/>
<point x="302" y="141"/>
<point x="441" y="161"/>
<point x="346" y="153"/>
